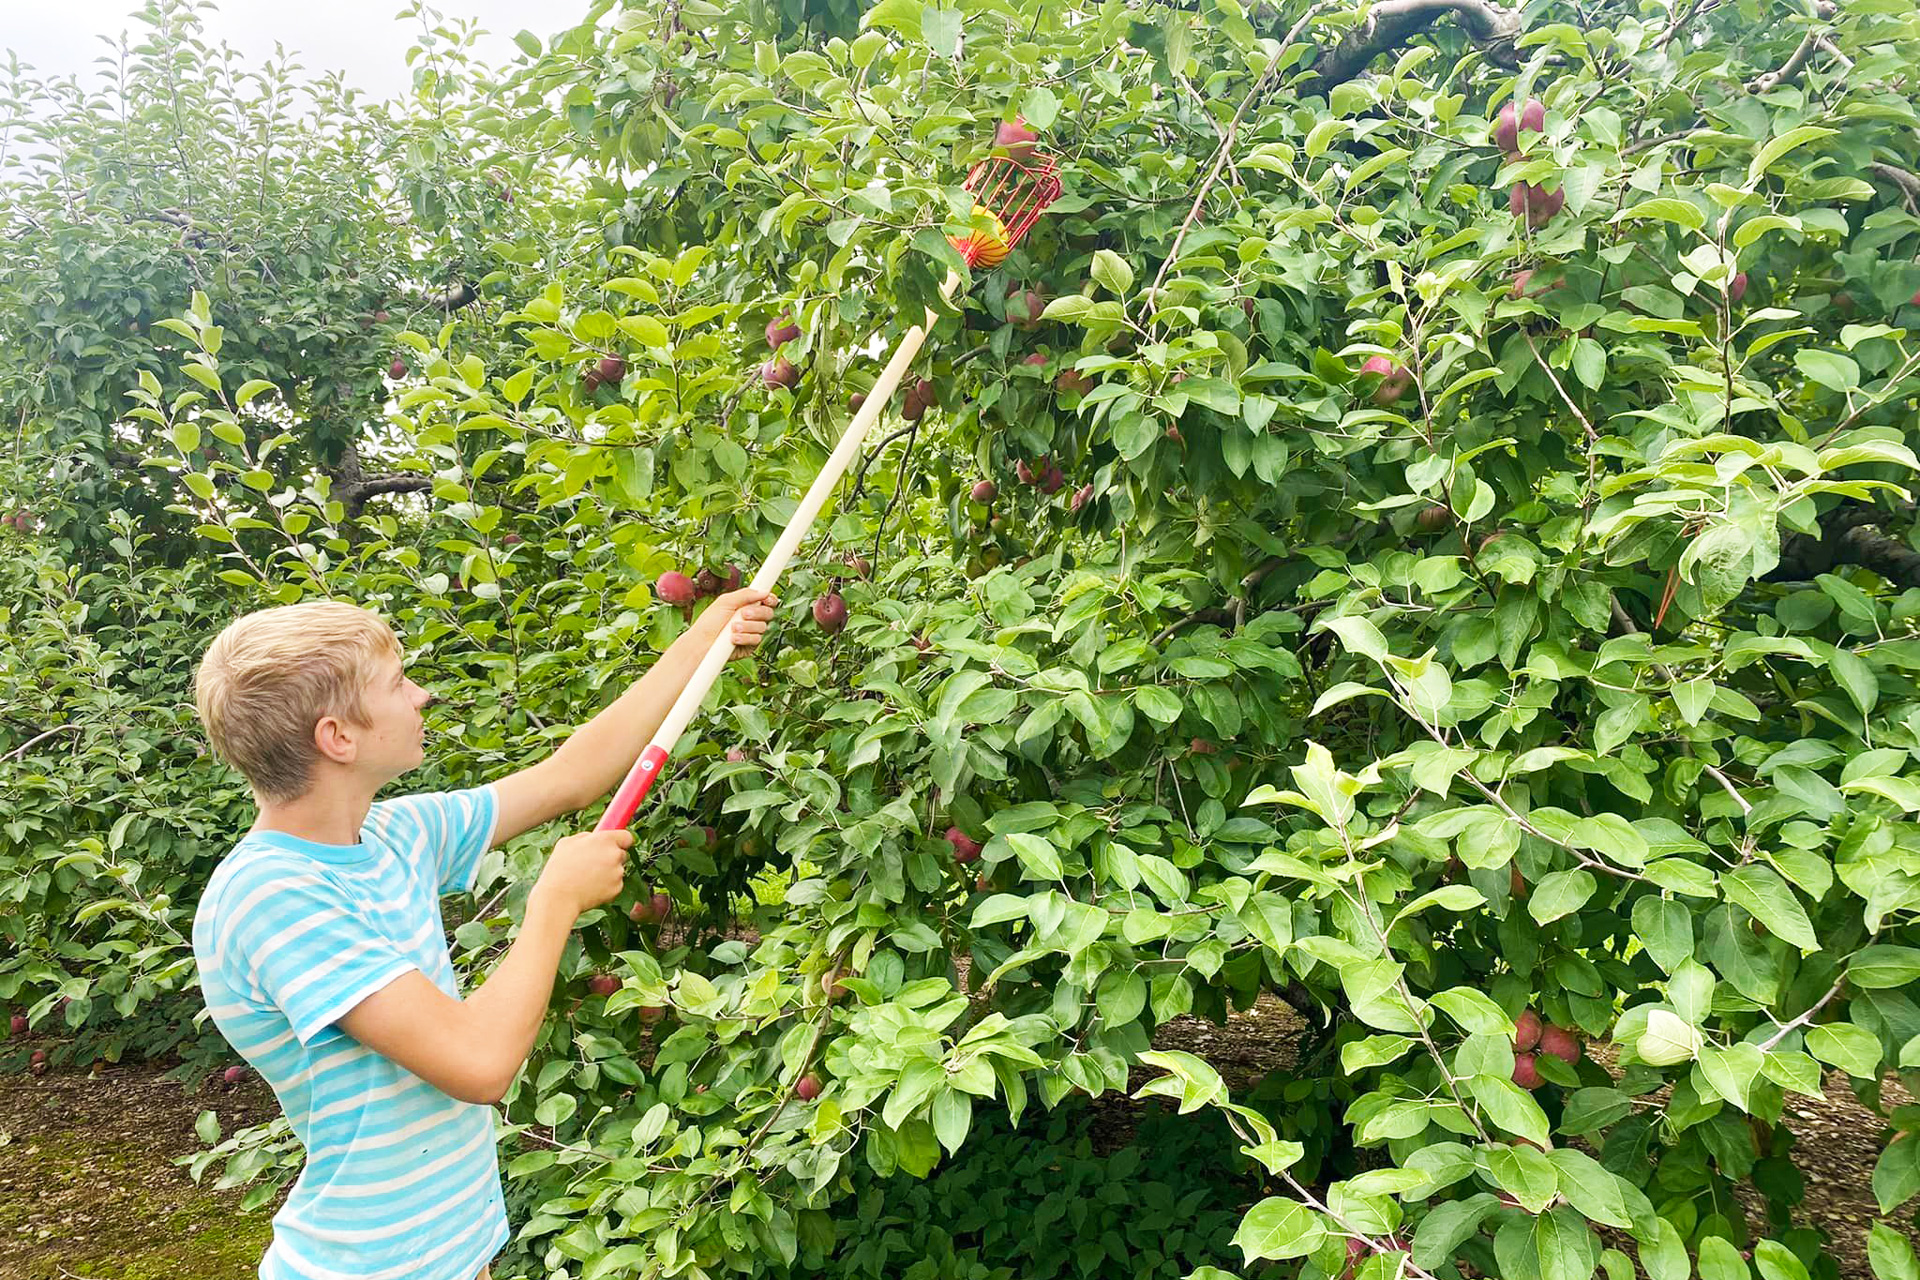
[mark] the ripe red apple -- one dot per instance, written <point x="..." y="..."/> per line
<point x="1535" y="203"/>
<point x="1173" y="433"/>
<point x="675" y="588"/>
<point x="1024" y="472"/>
<point x="1506" y="129"/>
<point x="858" y="564"/>
<point x="18" y="1024"/>
<point x="661" y="904"/>
<point x="1433" y="519"/>
<point x="651" y="1013"/>
<point x="1520" y="281"/>
<point x="1395" y="381"/>
<point x="1737" y="287"/>
<point x="1561" y="1043"/>
<point x="38" y="1063"/>
<point x="855" y="400"/>
<point x="1013" y="137"/>
<point x="234" y="1075"/>
<point x="1526" y="1030"/>
<point x="603" y="984"/>
<point x="641" y="912"/>
<point x="779" y="372"/>
<point x="1024" y="307"/>
<point x="781" y="331"/>
<point x="1914" y="301"/>
<point x="830" y="612"/>
<point x="735" y="755"/>
<point x="1516" y="883"/>
<point x="1037" y="360"/>
<point x="510" y="539"/>
<point x="1050" y="483"/>
<point x="730" y="580"/>
<point x="611" y="369"/>
<point x="808" y="1089"/>
<point x="706" y="583"/>
<point x="398" y="369"/>
<point x="1081" y="497"/>
<point x="1073" y="382"/>
<point x="1525" y="1073"/>
<point x="919" y="397"/>
<point x="590" y="379"/>
<point x="984" y="492"/>
<point x="1201" y="747"/>
<point x="965" y="847"/>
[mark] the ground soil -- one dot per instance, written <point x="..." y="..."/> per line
<point x="89" y="1189"/>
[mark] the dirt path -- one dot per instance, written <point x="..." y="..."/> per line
<point x="88" y="1188"/>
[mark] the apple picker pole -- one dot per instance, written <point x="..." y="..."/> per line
<point x="1008" y="196"/>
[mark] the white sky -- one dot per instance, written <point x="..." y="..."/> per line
<point x="362" y="39"/>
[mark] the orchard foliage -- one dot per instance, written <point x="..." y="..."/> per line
<point x="1452" y="574"/>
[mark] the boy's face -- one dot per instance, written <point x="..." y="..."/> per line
<point x="396" y="733"/>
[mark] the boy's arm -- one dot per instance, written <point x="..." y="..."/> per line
<point x="471" y="1049"/>
<point x="593" y="760"/>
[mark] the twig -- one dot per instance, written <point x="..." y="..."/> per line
<point x="1801" y="1021"/>
<point x="1225" y="148"/>
<point x="26" y="746"/>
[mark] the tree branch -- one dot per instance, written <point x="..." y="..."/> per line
<point x="1388" y="26"/>
<point x="1908" y="182"/>
<point x="1850" y="534"/>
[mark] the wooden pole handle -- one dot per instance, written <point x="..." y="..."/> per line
<point x="640" y="779"/>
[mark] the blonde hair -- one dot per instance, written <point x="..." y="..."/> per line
<point x="272" y="675"/>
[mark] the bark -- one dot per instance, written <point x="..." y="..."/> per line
<point x="1390" y="24"/>
<point x="1851" y="534"/>
<point x="353" y="486"/>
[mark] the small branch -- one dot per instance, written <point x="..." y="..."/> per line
<point x="1801" y="1021"/>
<point x="1217" y="616"/>
<point x="1593" y="437"/>
<point x="30" y="743"/>
<point x="860" y="476"/>
<point x="1908" y="182"/>
<point x="1225" y="148"/>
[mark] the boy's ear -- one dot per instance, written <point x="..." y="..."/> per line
<point x="333" y="739"/>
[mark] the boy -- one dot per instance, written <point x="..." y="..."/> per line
<point x="323" y="957"/>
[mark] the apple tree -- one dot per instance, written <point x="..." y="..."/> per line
<point x="1421" y="530"/>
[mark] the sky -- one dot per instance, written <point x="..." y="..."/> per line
<point x="360" y="38"/>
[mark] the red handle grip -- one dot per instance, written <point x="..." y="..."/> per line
<point x="639" y="780"/>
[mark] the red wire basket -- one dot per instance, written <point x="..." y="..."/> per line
<point x="1012" y="194"/>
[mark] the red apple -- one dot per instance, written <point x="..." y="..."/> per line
<point x="779" y="372"/>
<point x="38" y="1063"/>
<point x="18" y="1024"/>
<point x="1525" y="1073"/>
<point x="1737" y="287"/>
<point x="1561" y="1043"/>
<point x="855" y="400"/>
<point x="1516" y="883"/>
<point x="735" y="755"/>
<point x="1081" y="497"/>
<point x="984" y="492"/>
<point x="603" y="984"/>
<point x="706" y="583"/>
<point x="398" y="369"/>
<point x="965" y="848"/>
<point x="830" y="612"/>
<point x="1535" y="203"/>
<point x="730" y="580"/>
<point x="675" y="588"/>
<point x="1506" y="129"/>
<point x="808" y="1089"/>
<point x="234" y="1075"/>
<point x="781" y="331"/>
<point x="1024" y="307"/>
<point x="1073" y="382"/>
<point x="1037" y="360"/>
<point x="1914" y="301"/>
<point x="652" y="1012"/>
<point x="1050" y="483"/>
<point x="858" y="564"/>
<point x="1433" y="519"/>
<point x="611" y="369"/>
<point x="1013" y="137"/>
<point x="1526" y="1030"/>
<point x="1201" y="747"/>
<point x="1395" y="381"/>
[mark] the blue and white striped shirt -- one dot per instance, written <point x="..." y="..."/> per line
<point x="401" y="1182"/>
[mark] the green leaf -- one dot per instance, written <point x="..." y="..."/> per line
<point x="1830" y="369"/>
<point x="1039" y="108"/>
<point x="1666" y="209"/>
<point x="940" y="29"/>
<point x="1590" y="1188"/>
<point x="1896" y="1176"/>
<point x="1561" y="893"/>
<point x="1889" y="1253"/>
<point x="1511" y="1107"/>
<point x="1881" y="967"/>
<point x="1278" y="1228"/>
<point x="1796" y="137"/>
<point x="1766" y="896"/>
<point x="1112" y="272"/>
<point x="1855" y="1050"/>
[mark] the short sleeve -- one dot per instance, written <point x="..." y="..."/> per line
<point x="298" y="942"/>
<point x="443" y="831"/>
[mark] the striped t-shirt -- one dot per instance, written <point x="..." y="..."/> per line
<point x="401" y="1181"/>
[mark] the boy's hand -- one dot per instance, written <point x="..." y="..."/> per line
<point x="585" y="870"/>
<point x="745" y="614"/>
